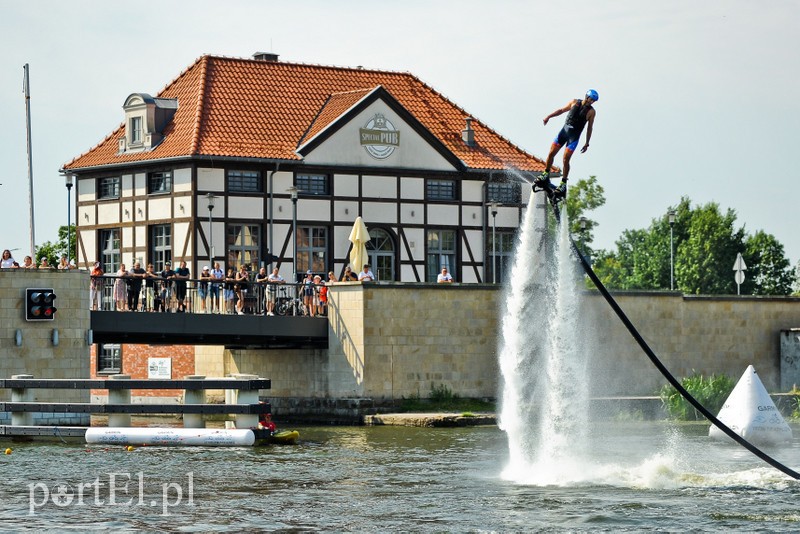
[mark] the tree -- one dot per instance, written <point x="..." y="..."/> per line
<point x="54" y="251"/>
<point x="705" y="257"/>
<point x="584" y="196"/>
<point x="706" y="242"/>
<point x="768" y="270"/>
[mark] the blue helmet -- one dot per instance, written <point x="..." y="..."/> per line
<point x="591" y="93"/>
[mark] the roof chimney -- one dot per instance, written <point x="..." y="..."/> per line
<point x="468" y="134"/>
<point x="265" y="56"/>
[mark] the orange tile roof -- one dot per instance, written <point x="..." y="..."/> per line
<point x="229" y="107"/>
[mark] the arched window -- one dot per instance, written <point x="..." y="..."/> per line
<point x="380" y="250"/>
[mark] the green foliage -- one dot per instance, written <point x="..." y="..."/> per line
<point x="54" y="251"/>
<point x="442" y="399"/>
<point x="705" y="244"/>
<point x="710" y="392"/>
<point x="584" y="196"/>
<point x="768" y="271"/>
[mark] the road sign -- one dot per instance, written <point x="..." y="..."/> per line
<point x="739" y="266"/>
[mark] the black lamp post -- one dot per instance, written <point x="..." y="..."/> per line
<point x="293" y="192"/>
<point x="494" y="206"/>
<point x="69" y="182"/>
<point x="671" y="215"/>
<point x="210" y="197"/>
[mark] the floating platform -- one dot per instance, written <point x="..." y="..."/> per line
<point x="178" y="437"/>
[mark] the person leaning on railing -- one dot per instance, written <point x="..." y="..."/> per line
<point x="273" y="280"/>
<point x="96" y="287"/>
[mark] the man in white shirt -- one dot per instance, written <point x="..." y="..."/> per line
<point x="366" y="275"/>
<point x="444" y="277"/>
<point x="272" y="282"/>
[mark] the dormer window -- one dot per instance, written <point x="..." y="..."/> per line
<point x="136" y="130"/>
<point x="146" y="119"/>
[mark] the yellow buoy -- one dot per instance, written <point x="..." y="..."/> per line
<point x="9" y="451"/>
<point x="130" y="448"/>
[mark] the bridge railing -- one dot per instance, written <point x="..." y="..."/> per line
<point x="241" y="400"/>
<point x="193" y="295"/>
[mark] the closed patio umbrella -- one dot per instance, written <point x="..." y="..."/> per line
<point x="359" y="236"/>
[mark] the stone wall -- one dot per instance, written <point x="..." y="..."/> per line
<point x="390" y="341"/>
<point x="38" y="355"/>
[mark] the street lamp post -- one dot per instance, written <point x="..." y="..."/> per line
<point x="68" y="182"/>
<point x="494" y="205"/>
<point x="671" y="215"/>
<point x="210" y="197"/>
<point x="293" y="192"/>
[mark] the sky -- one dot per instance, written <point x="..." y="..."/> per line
<point x="696" y="98"/>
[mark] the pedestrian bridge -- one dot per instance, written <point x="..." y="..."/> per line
<point x="232" y="331"/>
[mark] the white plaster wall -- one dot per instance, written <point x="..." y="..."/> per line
<point x="379" y="186"/>
<point x="89" y="239"/>
<point x="471" y="191"/>
<point x="345" y="185"/>
<point x="345" y="210"/>
<point x="182" y="180"/>
<point x="127" y="185"/>
<point x="442" y="214"/>
<point x="311" y="209"/>
<point x="211" y="180"/>
<point x="139" y="181"/>
<point x="416" y="242"/>
<point x="179" y="240"/>
<point x="375" y="212"/>
<point x="160" y="208"/>
<point x="86" y="190"/>
<point x="411" y="213"/>
<point x="246" y="207"/>
<point x="412" y="188"/>
<point x="282" y="181"/>
<point x="183" y="206"/>
<point x="473" y="215"/>
<point x="344" y="146"/>
<point x="108" y="212"/>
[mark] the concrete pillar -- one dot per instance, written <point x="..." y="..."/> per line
<point x="22" y="395"/>
<point x="194" y="396"/>
<point x="246" y="396"/>
<point x="119" y="396"/>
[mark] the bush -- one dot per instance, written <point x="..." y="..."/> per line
<point x="710" y="392"/>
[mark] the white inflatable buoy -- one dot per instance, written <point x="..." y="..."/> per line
<point x="750" y="412"/>
<point x="203" y="437"/>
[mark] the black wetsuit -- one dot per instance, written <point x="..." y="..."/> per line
<point x="573" y="126"/>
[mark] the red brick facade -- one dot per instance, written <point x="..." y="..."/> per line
<point x="134" y="363"/>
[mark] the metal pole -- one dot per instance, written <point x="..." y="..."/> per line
<point x="68" y="183"/>
<point x="494" y="205"/>
<point x="293" y="191"/>
<point x="671" y="261"/>
<point x="671" y="218"/>
<point x="210" y="197"/>
<point x="27" y="91"/>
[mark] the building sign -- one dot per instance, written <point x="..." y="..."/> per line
<point x="159" y="368"/>
<point x="379" y="137"/>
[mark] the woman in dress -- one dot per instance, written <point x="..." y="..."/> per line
<point x="121" y="289"/>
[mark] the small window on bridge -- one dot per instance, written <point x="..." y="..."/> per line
<point x="109" y="358"/>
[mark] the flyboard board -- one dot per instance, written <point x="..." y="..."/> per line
<point x="750" y="412"/>
<point x="180" y="437"/>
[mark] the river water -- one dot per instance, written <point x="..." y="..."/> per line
<point x="646" y="476"/>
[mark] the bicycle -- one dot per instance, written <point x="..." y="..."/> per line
<point x="286" y="305"/>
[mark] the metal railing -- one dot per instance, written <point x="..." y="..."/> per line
<point x="156" y="294"/>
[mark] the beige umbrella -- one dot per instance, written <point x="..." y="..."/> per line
<point x="359" y="236"/>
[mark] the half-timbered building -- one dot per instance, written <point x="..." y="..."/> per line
<point x="255" y="161"/>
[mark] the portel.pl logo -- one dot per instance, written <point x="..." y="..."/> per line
<point x="379" y="137"/>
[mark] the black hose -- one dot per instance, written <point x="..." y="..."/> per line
<point x="663" y="370"/>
